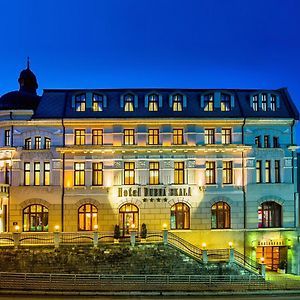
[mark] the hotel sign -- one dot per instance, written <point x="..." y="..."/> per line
<point x="277" y="242"/>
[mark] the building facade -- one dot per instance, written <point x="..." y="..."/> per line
<point x="214" y="166"/>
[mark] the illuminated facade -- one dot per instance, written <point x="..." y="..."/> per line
<point x="216" y="166"/>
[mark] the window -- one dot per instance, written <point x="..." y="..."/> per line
<point x="258" y="172"/>
<point x="277" y="171"/>
<point x="79" y="137"/>
<point x="177" y="102"/>
<point x="87" y="217"/>
<point x="266" y="141"/>
<point x="209" y="102"/>
<point x="209" y="136"/>
<point x="226" y="136"/>
<point x="153" y="102"/>
<point x="128" y="103"/>
<point x="210" y="172"/>
<point x="35" y="218"/>
<point x="177" y="136"/>
<point x="220" y="215"/>
<point x="80" y="102"/>
<point x="273" y="103"/>
<point x="180" y="216"/>
<point x="225" y="102"/>
<point x="269" y="215"/>
<point x="97" y="137"/>
<point x="47" y="143"/>
<point x="37" y="142"/>
<point x="128" y="216"/>
<point x="255" y="102"/>
<point x="27" y="144"/>
<point x="257" y="141"/>
<point x="26" y="173"/>
<point x="97" y="173"/>
<point x="46" y="173"/>
<point x="153" y="136"/>
<point x="276" y="142"/>
<point x="227" y="172"/>
<point x="129" y="137"/>
<point x="97" y="103"/>
<point x="268" y="171"/>
<point x="79" y="174"/>
<point x="7" y="141"/>
<point x="178" y="172"/>
<point x="153" y="172"/>
<point x="37" y="173"/>
<point x="264" y="102"/>
<point x="129" y="173"/>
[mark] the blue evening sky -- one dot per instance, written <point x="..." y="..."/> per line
<point x="152" y="43"/>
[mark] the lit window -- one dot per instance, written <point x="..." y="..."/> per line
<point x="255" y="102"/>
<point x="129" y="173"/>
<point x="26" y="173"/>
<point x="47" y="143"/>
<point x="269" y="215"/>
<point x="209" y="102"/>
<point x="220" y="215"/>
<point x="7" y="140"/>
<point x="79" y="174"/>
<point x="225" y="102"/>
<point x="210" y="172"/>
<point x="37" y="173"/>
<point x="97" y="136"/>
<point x="153" y="102"/>
<point x="80" y="102"/>
<point x="35" y="218"/>
<point x="273" y="103"/>
<point x="153" y="172"/>
<point x="128" y="217"/>
<point x="37" y="142"/>
<point x="227" y="172"/>
<point x="153" y="136"/>
<point x="266" y="141"/>
<point x="27" y="144"/>
<point x="128" y="102"/>
<point x="226" y="136"/>
<point x="87" y="217"/>
<point x="258" y="172"/>
<point x="79" y="137"/>
<point x="129" y="137"/>
<point x="180" y="216"/>
<point x="177" y="102"/>
<point x="277" y="171"/>
<point x="97" y="173"/>
<point x="257" y="141"/>
<point x="177" y="136"/>
<point x="264" y="102"/>
<point x="268" y="171"/>
<point x="179" y="172"/>
<point x="97" y="104"/>
<point x="46" y="173"/>
<point x="209" y="136"/>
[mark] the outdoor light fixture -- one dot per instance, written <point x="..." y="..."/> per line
<point x="230" y="244"/>
<point x="56" y="227"/>
<point x="262" y="260"/>
<point x="132" y="226"/>
<point x="17" y="227"/>
<point x="204" y="245"/>
<point x="164" y="226"/>
<point x="96" y="227"/>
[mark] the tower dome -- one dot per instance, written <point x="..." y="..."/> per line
<point x="27" y="80"/>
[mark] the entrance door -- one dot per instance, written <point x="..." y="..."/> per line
<point x="273" y="255"/>
<point x="128" y="216"/>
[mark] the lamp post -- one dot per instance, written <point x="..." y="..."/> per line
<point x="133" y="235"/>
<point x="95" y="236"/>
<point x="262" y="267"/>
<point x="231" y="252"/>
<point x="204" y="253"/>
<point x="56" y="236"/>
<point x="165" y="234"/>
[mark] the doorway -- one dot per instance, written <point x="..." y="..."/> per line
<point x="128" y="218"/>
<point x="273" y="255"/>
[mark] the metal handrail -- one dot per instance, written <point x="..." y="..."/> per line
<point x="246" y="261"/>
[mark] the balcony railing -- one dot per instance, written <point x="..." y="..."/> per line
<point x="4" y="189"/>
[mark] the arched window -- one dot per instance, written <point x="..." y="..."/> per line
<point x="35" y="218"/>
<point x="128" y="102"/>
<point x="177" y="102"/>
<point x="153" y="102"/>
<point x="220" y="215"/>
<point x="269" y="215"/>
<point x="128" y="218"/>
<point x="180" y="216"/>
<point x="87" y="217"/>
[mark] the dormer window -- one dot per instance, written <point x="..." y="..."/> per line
<point x="264" y="102"/>
<point x="80" y="102"/>
<point x="177" y="102"/>
<point x="97" y="104"/>
<point x="153" y="102"/>
<point x="209" y="102"/>
<point x="128" y="102"/>
<point x="27" y="144"/>
<point x="273" y="103"/>
<point x="255" y="102"/>
<point x="225" y="102"/>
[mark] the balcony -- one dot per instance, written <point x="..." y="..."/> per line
<point x="4" y="190"/>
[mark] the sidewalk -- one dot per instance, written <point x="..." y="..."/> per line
<point x="283" y="281"/>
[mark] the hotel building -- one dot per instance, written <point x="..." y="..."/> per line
<point x="215" y="165"/>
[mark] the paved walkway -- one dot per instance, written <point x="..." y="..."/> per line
<point x="283" y="281"/>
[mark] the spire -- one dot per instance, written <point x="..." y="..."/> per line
<point x="28" y="63"/>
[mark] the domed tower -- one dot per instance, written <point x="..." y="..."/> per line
<point x="26" y="97"/>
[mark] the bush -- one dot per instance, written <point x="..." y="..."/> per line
<point x="117" y="232"/>
<point x="144" y="231"/>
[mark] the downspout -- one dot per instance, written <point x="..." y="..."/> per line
<point x="244" y="190"/>
<point x="296" y="222"/>
<point x="63" y="180"/>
